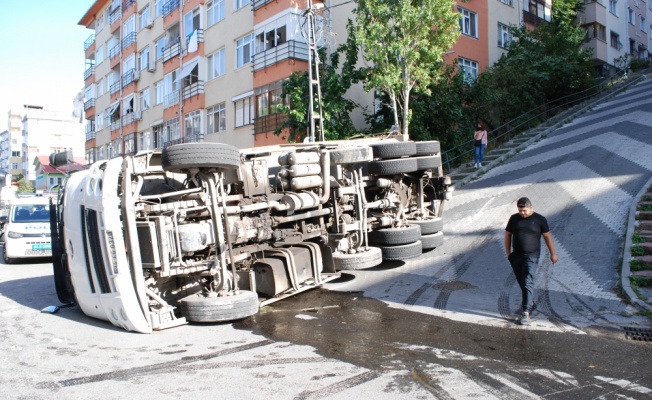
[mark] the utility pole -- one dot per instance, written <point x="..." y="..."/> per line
<point x="316" y="127"/>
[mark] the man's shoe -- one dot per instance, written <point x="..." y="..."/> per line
<point x="525" y="318"/>
<point x="533" y="307"/>
<point x="479" y="165"/>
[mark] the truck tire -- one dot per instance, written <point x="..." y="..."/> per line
<point x="393" y="149"/>
<point x="392" y="167"/>
<point x="4" y="254"/>
<point x="428" y="148"/>
<point x="361" y="260"/>
<point x="428" y="162"/>
<point x="198" y="308"/>
<point x="351" y="156"/>
<point x="428" y="225"/>
<point x="432" y="241"/>
<point x="179" y="157"/>
<point x="402" y="252"/>
<point x="395" y="236"/>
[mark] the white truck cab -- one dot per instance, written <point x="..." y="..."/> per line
<point x="27" y="229"/>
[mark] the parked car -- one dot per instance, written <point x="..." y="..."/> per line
<point x="206" y="232"/>
<point x="26" y="229"/>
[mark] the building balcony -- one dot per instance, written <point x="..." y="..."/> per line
<point x="116" y="124"/>
<point x="129" y="40"/>
<point x="89" y="103"/>
<point x="128" y="118"/>
<point x="90" y="134"/>
<point x="171" y="99"/>
<point x="269" y="123"/>
<point x="172" y="49"/>
<point x="289" y="50"/>
<point x="170" y="6"/>
<point x="196" y="138"/>
<point x="259" y="3"/>
<point x="127" y="3"/>
<point x="129" y="77"/>
<point x="89" y="41"/>
<point x="89" y="72"/>
<point x="532" y="19"/>
<point x="115" y="16"/>
<point x="115" y="51"/>
<point x="115" y="87"/>
<point x="193" y="89"/>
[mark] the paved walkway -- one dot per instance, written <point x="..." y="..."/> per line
<point x="584" y="178"/>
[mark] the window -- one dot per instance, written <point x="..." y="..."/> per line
<point x="643" y="25"/>
<point x="504" y="35"/>
<point x="144" y="99"/>
<point x="469" y="69"/>
<point x="89" y="92"/>
<point x="615" y="40"/>
<point x="129" y="26"/>
<point x="508" y="2"/>
<point x="129" y="63"/>
<point x="160" y="45"/>
<point x="143" y="17"/>
<point x="159" y="7"/>
<point x="215" y="11"/>
<point x="99" y="22"/>
<point x="216" y="64"/>
<point x="631" y="16"/>
<point x="159" y="136"/>
<point x="143" y="58"/>
<point x="158" y="91"/>
<point x="270" y="39"/>
<point x="191" y="21"/>
<point x="130" y="144"/>
<point x="99" y="55"/>
<point x="613" y="7"/>
<point x="143" y="141"/>
<point x="244" y="112"/>
<point x="193" y="123"/>
<point x="216" y="119"/>
<point x="241" y="3"/>
<point x="100" y="87"/>
<point x="468" y="22"/>
<point x="15" y="153"/>
<point x="171" y="129"/>
<point x="243" y="50"/>
<point x="99" y="121"/>
<point x="15" y="166"/>
<point x="267" y="98"/>
<point x="539" y="8"/>
<point x="595" y="30"/>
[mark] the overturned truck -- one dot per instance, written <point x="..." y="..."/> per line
<point x="206" y="232"/>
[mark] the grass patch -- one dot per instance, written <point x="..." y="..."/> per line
<point x="638" y="265"/>
<point x="641" y="281"/>
<point x="637" y="238"/>
<point x="645" y="207"/>
<point x="637" y="251"/>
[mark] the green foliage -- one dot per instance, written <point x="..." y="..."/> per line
<point x="637" y="238"/>
<point x="645" y="207"/>
<point x="638" y="265"/>
<point x="334" y="83"/>
<point x="402" y="40"/>
<point x="640" y="281"/>
<point x="25" y="186"/>
<point x="541" y="65"/>
<point x="637" y="251"/>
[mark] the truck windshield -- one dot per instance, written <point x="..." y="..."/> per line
<point x="30" y="213"/>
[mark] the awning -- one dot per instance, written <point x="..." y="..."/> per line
<point x="187" y="69"/>
<point x="113" y="107"/>
<point x="243" y="95"/>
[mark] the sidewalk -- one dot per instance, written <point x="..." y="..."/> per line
<point x="639" y="224"/>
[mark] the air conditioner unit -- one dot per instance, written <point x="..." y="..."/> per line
<point x="136" y="76"/>
<point x="151" y="67"/>
<point x="149" y="25"/>
<point x="138" y="115"/>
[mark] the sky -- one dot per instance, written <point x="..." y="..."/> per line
<point x="41" y="54"/>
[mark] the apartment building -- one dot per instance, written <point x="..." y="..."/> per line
<point x="11" y="145"/>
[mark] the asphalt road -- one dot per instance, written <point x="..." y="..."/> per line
<point x="441" y="326"/>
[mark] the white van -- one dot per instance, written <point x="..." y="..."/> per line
<point x="27" y="229"/>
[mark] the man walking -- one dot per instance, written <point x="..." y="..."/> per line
<point x="523" y="247"/>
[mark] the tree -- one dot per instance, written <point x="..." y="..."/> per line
<point x="24" y="186"/>
<point x="334" y="84"/>
<point x="401" y="40"/>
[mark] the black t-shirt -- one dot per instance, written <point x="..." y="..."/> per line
<point x="526" y="233"/>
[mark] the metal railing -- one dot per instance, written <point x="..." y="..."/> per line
<point x="193" y="89"/>
<point x="172" y="49"/>
<point x="457" y="155"/>
<point x="115" y="50"/>
<point x="115" y="15"/>
<point x="291" y="49"/>
<point x="196" y="138"/>
<point x="171" y="99"/>
<point x="256" y="4"/>
<point x="89" y="41"/>
<point x="115" y="87"/>
<point x="89" y="103"/>
<point x="89" y="71"/>
<point x="269" y="123"/>
<point x="170" y="6"/>
<point x="128" y="77"/>
<point x="128" y="40"/>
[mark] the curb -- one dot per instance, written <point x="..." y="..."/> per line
<point x="625" y="272"/>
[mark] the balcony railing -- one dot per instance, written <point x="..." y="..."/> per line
<point x="115" y="50"/>
<point x="196" y="138"/>
<point x="193" y="89"/>
<point x="170" y="6"/>
<point x="115" y="125"/>
<point x="115" y="15"/>
<point x="90" y="135"/>
<point x="89" y="103"/>
<point x="171" y="99"/>
<point x="115" y="87"/>
<point x="128" y="118"/>
<point x="89" y="71"/>
<point x="256" y="4"/>
<point x="89" y="42"/>
<point x="128" y="40"/>
<point x="172" y="49"/>
<point x="200" y="37"/>
<point x="269" y="123"/>
<point x="289" y="50"/>
<point x="128" y="77"/>
<point x="127" y="3"/>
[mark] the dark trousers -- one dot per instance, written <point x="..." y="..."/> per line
<point x="524" y="267"/>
